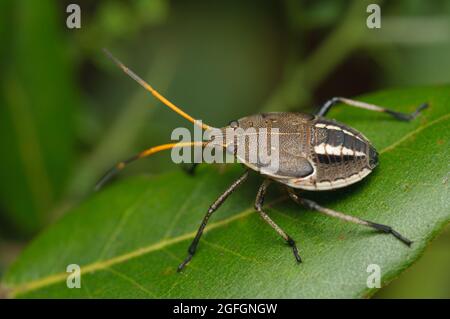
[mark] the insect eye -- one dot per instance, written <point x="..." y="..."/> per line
<point x="233" y="124"/>
<point x="231" y="148"/>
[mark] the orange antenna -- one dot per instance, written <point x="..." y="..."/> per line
<point x="150" y="151"/>
<point x="155" y="93"/>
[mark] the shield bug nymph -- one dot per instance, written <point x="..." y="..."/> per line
<point x="314" y="153"/>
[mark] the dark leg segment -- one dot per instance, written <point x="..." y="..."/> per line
<point x="258" y="206"/>
<point x="314" y="206"/>
<point x="371" y="107"/>
<point x="190" y="168"/>
<point x="219" y="201"/>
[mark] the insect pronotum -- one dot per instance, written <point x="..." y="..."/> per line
<point x="315" y="154"/>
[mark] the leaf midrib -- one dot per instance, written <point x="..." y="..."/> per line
<point x="99" y="265"/>
<point x="105" y="264"/>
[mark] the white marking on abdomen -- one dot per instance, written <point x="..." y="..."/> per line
<point x="348" y="133"/>
<point x="356" y="136"/>
<point x="333" y="127"/>
<point x="327" y="149"/>
<point x="308" y="184"/>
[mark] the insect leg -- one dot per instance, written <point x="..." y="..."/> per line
<point x="190" y="168"/>
<point x="371" y="107"/>
<point x="258" y="206"/>
<point x="314" y="206"/>
<point x="219" y="201"/>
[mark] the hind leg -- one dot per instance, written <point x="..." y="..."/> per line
<point x="352" y="219"/>
<point x="371" y="107"/>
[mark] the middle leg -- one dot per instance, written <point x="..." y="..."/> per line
<point x="259" y="207"/>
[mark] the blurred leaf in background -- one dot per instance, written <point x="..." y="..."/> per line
<point x="129" y="238"/>
<point x="67" y="114"/>
<point x="37" y="97"/>
<point x="428" y="278"/>
<point x="216" y="60"/>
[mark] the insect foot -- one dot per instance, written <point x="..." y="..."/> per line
<point x="298" y="150"/>
<point x="407" y="117"/>
<point x="185" y="262"/>
<point x="389" y="230"/>
<point x="348" y="218"/>
<point x="291" y="243"/>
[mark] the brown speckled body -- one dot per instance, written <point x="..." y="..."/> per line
<point x="298" y="150"/>
<point x="314" y="153"/>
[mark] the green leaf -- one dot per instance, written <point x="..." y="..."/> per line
<point x="421" y="283"/>
<point x="129" y="238"/>
<point x="36" y="114"/>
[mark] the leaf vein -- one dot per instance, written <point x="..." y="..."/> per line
<point x="131" y="281"/>
<point x="101" y="265"/>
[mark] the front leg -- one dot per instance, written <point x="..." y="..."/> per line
<point x="352" y="219"/>
<point x="214" y="206"/>
<point x="190" y="168"/>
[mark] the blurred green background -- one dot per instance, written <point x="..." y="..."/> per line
<point x="67" y="114"/>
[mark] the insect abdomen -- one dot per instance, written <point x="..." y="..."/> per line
<point x="314" y="153"/>
<point x="341" y="155"/>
